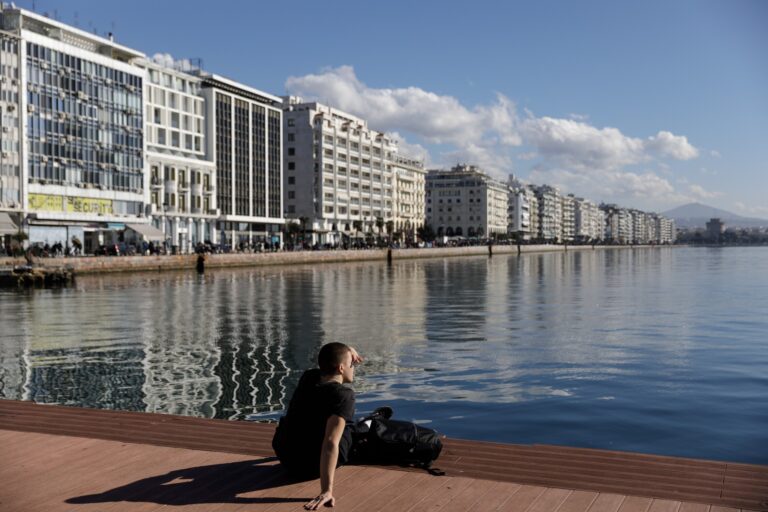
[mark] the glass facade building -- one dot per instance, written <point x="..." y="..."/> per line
<point x="84" y="123"/>
<point x="246" y="138"/>
<point x="10" y="168"/>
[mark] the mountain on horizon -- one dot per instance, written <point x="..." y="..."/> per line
<point x="696" y="215"/>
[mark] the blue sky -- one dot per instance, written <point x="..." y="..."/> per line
<point x="649" y="104"/>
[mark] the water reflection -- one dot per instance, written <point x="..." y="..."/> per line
<point x="611" y="348"/>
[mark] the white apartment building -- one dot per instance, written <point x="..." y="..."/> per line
<point x="618" y="224"/>
<point x="244" y="140"/>
<point x="550" y="213"/>
<point x="340" y="175"/>
<point x="590" y="221"/>
<point x="73" y="154"/>
<point x="466" y="202"/>
<point x="643" y="227"/>
<point x="522" y="210"/>
<point x="409" y="197"/>
<point x="182" y="180"/>
<point x="568" y="224"/>
<point x="666" y="230"/>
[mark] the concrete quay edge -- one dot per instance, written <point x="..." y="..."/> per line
<point x="108" y="264"/>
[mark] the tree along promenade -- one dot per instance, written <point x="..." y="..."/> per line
<point x="104" y="264"/>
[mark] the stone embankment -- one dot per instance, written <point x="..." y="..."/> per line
<point x="92" y="265"/>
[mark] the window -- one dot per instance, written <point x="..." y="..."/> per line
<point x="291" y="122"/>
<point x="291" y="137"/>
<point x="291" y="180"/>
<point x="291" y="166"/>
<point x="291" y="151"/>
<point x="291" y="194"/>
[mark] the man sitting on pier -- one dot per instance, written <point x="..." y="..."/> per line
<point x="315" y="435"/>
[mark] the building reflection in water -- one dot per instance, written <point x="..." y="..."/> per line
<point x="233" y="343"/>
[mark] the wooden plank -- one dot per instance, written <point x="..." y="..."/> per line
<point x="584" y="470"/>
<point x="451" y="488"/>
<point x="522" y="499"/>
<point x="579" y="501"/>
<point x="412" y="495"/>
<point x="468" y="497"/>
<point x="607" y="502"/>
<point x="381" y="499"/>
<point x="693" y="507"/>
<point x="549" y="500"/>
<point x="635" y="504"/>
<point x="664" y="506"/>
<point x="499" y="493"/>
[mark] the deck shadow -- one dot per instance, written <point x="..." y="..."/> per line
<point x="216" y="483"/>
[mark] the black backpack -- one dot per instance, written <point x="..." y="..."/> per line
<point x="399" y="442"/>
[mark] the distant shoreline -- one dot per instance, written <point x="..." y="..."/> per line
<point x="113" y="264"/>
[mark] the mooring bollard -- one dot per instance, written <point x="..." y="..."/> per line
<point x="389" y="256"/>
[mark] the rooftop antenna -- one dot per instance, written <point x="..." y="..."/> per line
<point x="77" y="20"/>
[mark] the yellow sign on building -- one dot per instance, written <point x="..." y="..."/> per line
<point x="50" y="203"/>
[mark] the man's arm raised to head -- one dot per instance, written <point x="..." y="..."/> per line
<point x="329" y="456"/>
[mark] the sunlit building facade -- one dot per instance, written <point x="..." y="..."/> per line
<point x="466" y="202"/>
<point x="339" y="174"/>
<point x="244" y="140"/>
<point x="182" y="179"/>
<point x="80" y="126"/>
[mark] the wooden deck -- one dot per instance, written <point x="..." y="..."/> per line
<point x="62" y="458"/>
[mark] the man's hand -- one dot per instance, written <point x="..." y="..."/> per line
<point x="356" y="358"/>
<point x="326" y="499"/>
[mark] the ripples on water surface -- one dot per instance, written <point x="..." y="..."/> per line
<point x="650" y="350"/>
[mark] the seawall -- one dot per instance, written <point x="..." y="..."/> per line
<point x="105" y="264"/>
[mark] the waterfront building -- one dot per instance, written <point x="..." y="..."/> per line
<point x="244" y="140"/>
<point x="666" y="230"/>
<point x="618" y="224"/>
<point x="642" y="230"/>
<point x="465" y="201"/>
<point x="715" y="229"/>
<point x="590" y="220"/>
<point x="10" y="134"/>
<point x="73" y="157"/>
<point x="182" y="179"/>
<point x="522" y="210"/>
<point x="569" y="218"/>
<point x="340" y="175"/>
<point x="409" y="196"/>
<point x="550" y="213"/>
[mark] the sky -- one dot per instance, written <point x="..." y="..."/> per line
<point x="648" y="104"/>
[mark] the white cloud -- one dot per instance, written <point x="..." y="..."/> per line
<point x="411" y="149"/>
<point x="669" y="145"/>
<point x="759" y="211"/>
<point x="481" y="132"/>
<point x="167" y="60"/>
<point x="582" y="158"/>
<point x="715" y="153"/>
<point x="698" y="192"/>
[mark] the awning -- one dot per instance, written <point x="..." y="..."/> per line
<point x="7" y="226"/>
<point x="147" y="231"/>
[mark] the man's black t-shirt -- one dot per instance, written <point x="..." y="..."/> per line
<point x="299" y="437"/>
